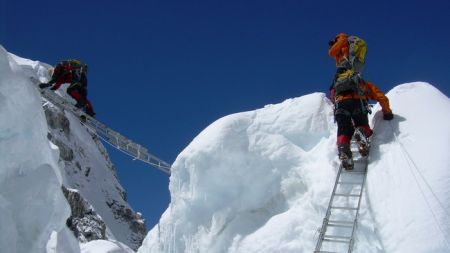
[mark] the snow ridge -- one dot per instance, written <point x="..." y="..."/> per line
<point x="260" y="181"/>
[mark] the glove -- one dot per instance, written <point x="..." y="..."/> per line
<point x="44" y="85"/>
<point x="331" y="42"/>
<point x="388" y="116"/>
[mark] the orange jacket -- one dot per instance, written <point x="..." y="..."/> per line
<point x="340" y="49"/>
<point x="370" y="91"/>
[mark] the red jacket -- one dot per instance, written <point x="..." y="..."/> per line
<point x="61" y="74"/>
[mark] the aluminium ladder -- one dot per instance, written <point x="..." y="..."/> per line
<point x="339" y="225"/>
<point x="108" y="135"/>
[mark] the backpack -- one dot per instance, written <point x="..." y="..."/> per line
<point x="357" y="52"/>
<point x="77" y="69"/>
<point x="347" y="82"/>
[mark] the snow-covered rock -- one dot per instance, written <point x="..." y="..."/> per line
<point x="88" y="169"/>
<point x="85" y="223"/>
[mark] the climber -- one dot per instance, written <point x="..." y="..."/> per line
<point x="350" y="94"/>
<point x="351" y="112"/>
<point x="73" y="72"/>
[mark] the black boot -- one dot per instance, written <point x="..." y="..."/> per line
<point x="363" y="142"/>
<point x="89" y="112"/>
<point x="345" y="155"/>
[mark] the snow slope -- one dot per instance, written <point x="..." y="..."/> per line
<point x="33" y="169"/>
<point x="31" y="202"/>
<point x="260" y="181"/>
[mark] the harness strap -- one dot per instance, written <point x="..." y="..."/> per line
<point x="342" y="111"/>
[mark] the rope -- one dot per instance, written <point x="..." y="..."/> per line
<point x="411" y="162"/>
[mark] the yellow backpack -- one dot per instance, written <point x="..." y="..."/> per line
<point x="357" y="52"/>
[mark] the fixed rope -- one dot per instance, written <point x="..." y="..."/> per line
<point x="412" y="164"/>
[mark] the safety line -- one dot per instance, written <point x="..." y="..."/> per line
<point x="411" y="162"/>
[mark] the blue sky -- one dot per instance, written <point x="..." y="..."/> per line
<point x="162" y="71"/>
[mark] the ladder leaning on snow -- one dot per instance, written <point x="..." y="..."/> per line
<point x="108" y="135"/>
<point x="339" y="225"/>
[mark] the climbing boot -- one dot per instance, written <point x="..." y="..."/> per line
<point x="363" y="142"/>
<point x="345" y="155"/>
<point x="79" y="105"/>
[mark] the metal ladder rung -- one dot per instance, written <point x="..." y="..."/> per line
<point x="354" y="183"/>
<point x="345" y="208"/>
<point x="347" y="195"/>
<point x="343" y="221"/>
<point x="354" y="172"/>
<point x="336" y="238"/>
<point x="341" y="224"/>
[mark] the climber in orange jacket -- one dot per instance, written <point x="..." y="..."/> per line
<point x="350" y="94"/>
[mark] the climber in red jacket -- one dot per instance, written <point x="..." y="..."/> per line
<point x="73" y="72"/>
